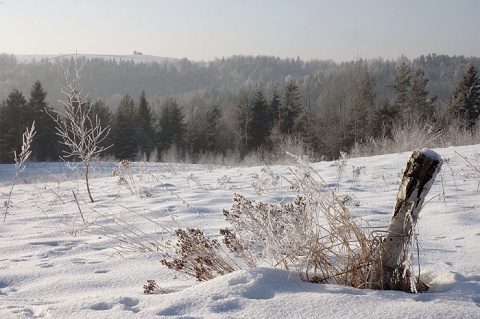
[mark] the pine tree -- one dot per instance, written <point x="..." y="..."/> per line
<point x="123" y="130"/>
<point x="290" y="108"/>
<point x="420" y="101"/>
<point x="465" y="100"/>
<point x="145" y="132"/>
<point x="45" y="144"/>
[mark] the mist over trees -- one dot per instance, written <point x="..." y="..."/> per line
<point x="240" y="105"/>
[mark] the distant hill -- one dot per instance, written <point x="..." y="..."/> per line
<point x="137" y="58"/>
<point x="199" y="84"/>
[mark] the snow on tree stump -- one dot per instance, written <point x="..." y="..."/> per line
<point x="396" y="270"/>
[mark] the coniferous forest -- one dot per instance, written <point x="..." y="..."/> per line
<point x="240" y="106"/>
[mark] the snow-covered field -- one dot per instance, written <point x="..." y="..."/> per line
<point x="51" y="267"/>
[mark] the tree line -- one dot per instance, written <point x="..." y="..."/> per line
<point x="258" y="117"/>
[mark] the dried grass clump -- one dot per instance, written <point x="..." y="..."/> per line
<point x="197" y="256"/>
<point x="153" y="288"/>
<point x="315" y="235"/>
<point x="342" y="249"/>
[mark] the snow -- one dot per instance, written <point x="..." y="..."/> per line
<point x="50" y="267"/>
<point x="432" y="154"/>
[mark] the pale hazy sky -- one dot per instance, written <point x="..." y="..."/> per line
<point x="341" y="30"/>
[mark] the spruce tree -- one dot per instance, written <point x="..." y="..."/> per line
<point x="465" y="100"/>
<point x="212" y="127"/>
<point x="260" y="130"/>
<point x="45" y="145"/>
<point x="123" y="130"/>
<point x="273" y="108"/>
<point x="195" y="132"/>
<point x="145" y="131"/>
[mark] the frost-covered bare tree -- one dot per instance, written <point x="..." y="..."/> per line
<point x="78" y="131"/>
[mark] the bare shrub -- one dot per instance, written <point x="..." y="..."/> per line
<point x="154" y="156"/>
<point x="125" y="176"/>
<point x="266" y="181"/>
<point x="210" y="159"/>
<point x="341" y="164"/>
<point x="232" y="158"/>
<point x="171" y="155"/>
<point x="456" y="134"/>
<point x="286" y="145"/>
<point x="403" y="138"/>
<point x="82" y="135"/>
<point x="357" y="172"/>
<point x="258" y="157"/>
<point x="417" y="136"/>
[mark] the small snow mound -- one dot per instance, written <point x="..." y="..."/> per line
<point x="432" y="154"/>
<point x="438" y="281"/>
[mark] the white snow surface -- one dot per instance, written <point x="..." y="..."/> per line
<point x="432" y="154"/>
<point x="51" y="268"/>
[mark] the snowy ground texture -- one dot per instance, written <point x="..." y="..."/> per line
<point x="51" y="268"/>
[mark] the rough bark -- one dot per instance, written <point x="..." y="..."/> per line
<point x="396" y="249"/>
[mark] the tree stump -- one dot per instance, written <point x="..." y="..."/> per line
<point x="396" y="268"/>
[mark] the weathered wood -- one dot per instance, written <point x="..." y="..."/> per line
<point x="419" y="175"/>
